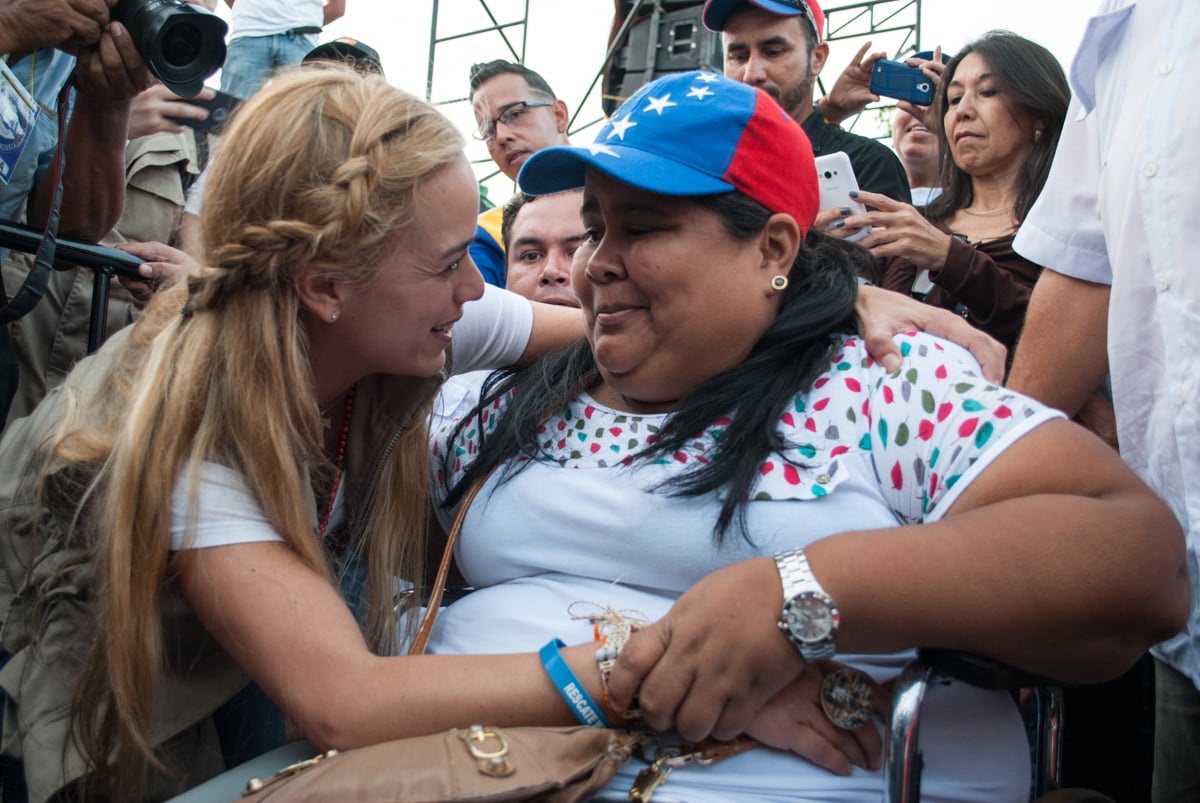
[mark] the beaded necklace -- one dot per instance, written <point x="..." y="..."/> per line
<point x="339" y="463"/>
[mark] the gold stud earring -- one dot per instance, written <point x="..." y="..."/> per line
<point x="779" y="283"/>
<point x="1037" y="134"/>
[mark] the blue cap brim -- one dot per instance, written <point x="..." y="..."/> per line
<point x="564" y="168"/>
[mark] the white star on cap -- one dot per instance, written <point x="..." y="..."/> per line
<point x="619" y="127"/>
<point x="596" y="148"/>
<point x="658" y="104"/>
<point x="700" y="92"/>
<point x="707" y="77"/>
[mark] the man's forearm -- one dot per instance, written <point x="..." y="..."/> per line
<point x="1062" y="355"/>
<point x="334" y="9"/>
<point x="93" y="174"/>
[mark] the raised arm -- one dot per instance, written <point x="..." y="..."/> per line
<point x="851" y="92"/>
<point x="107" y="76"/>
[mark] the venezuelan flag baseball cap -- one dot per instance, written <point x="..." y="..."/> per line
<point x="693" y="133"/>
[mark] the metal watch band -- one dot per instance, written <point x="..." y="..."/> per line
<point x="795" y="573"/>
<point x="800" y="592"/>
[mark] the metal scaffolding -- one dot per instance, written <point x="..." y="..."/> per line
<point x="649" y="38"/>
<point x="518" y="24"/>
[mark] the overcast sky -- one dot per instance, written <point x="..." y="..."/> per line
<point x="566" y="42"/>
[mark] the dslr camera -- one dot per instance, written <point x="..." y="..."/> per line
<point x="180" y="43"/>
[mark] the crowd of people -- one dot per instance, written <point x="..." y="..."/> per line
<point x="776" y="458"/>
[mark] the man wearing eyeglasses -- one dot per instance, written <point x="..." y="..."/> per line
<point x="518" y="115"/>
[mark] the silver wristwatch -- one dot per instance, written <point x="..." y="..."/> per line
<point x="809" y="618"/>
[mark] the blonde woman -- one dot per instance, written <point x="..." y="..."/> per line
<point x="201" y="487"/>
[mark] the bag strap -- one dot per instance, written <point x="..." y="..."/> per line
<point x="33" y="288"/>
<point x="439" y="584"/>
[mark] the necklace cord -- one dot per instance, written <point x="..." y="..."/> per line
<point x="339" y="463"/>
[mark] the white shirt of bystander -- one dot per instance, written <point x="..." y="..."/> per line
<point x="1119" y="208"/>
<point x="269" y="17"/>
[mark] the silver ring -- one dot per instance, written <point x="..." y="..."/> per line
<point x="847" y="699"/>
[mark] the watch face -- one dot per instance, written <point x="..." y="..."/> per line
<point x="809" y="619"/>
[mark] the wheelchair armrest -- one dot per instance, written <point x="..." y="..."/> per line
<point x="979" y="671"/>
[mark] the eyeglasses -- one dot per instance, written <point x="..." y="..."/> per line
<point x="512" y="115"/>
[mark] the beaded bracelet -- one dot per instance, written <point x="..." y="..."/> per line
<point x="611" y="645"/>
<point x="569" y="686"/>
<point x="612" y="628"/>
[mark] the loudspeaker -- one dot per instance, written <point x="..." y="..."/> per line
<point x="667" y="37"/>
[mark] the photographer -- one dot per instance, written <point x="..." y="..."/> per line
<point x="107" y="72"/>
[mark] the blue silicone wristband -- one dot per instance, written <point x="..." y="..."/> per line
<point x="569" y="686"/>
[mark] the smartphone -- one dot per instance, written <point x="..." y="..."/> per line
<point x="836" y="179"/>
<point x="927" y="55"/>
<point x="895" y="79"/>
<point x="219" y="107"/>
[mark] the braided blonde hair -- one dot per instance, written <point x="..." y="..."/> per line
<point x="319" y="171"/>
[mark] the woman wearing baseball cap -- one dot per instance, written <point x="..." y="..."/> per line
<point x="721" y="456"/>
<point x="230" y="490"/>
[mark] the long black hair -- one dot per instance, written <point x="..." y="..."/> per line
<point x="816" y="307"/>
<point x="1031" y="76"/>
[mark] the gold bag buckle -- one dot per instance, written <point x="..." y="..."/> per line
<point x="489" y="748"/>
<point x="258" y="784"/>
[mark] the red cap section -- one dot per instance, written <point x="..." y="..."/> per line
<point x="774" y="164"/>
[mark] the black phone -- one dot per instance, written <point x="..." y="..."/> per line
<point x="219" y="107"/>
<point x="895" y="79"/>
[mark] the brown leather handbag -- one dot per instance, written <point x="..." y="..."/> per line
<point x="474" y="764"/>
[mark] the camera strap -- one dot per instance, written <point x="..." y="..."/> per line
<point x="31" y="290"/>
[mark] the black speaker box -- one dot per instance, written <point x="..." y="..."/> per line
<point x="666" y="37"/>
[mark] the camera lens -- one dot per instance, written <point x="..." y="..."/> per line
<point x="828" y="174"/>
<point x="181" y="46"/>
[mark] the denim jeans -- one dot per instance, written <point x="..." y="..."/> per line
<point x="250" y="60"/>
<point x="1176" y="737"/>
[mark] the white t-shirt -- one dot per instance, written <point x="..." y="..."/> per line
<point x="493" y="332"/>
<point x="268" y="17"/>
<point x="578" y="529"/>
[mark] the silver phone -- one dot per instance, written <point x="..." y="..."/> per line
<point x="836" y="179"/>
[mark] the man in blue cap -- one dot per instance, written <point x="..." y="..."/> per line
<point x="778" y="45"/>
